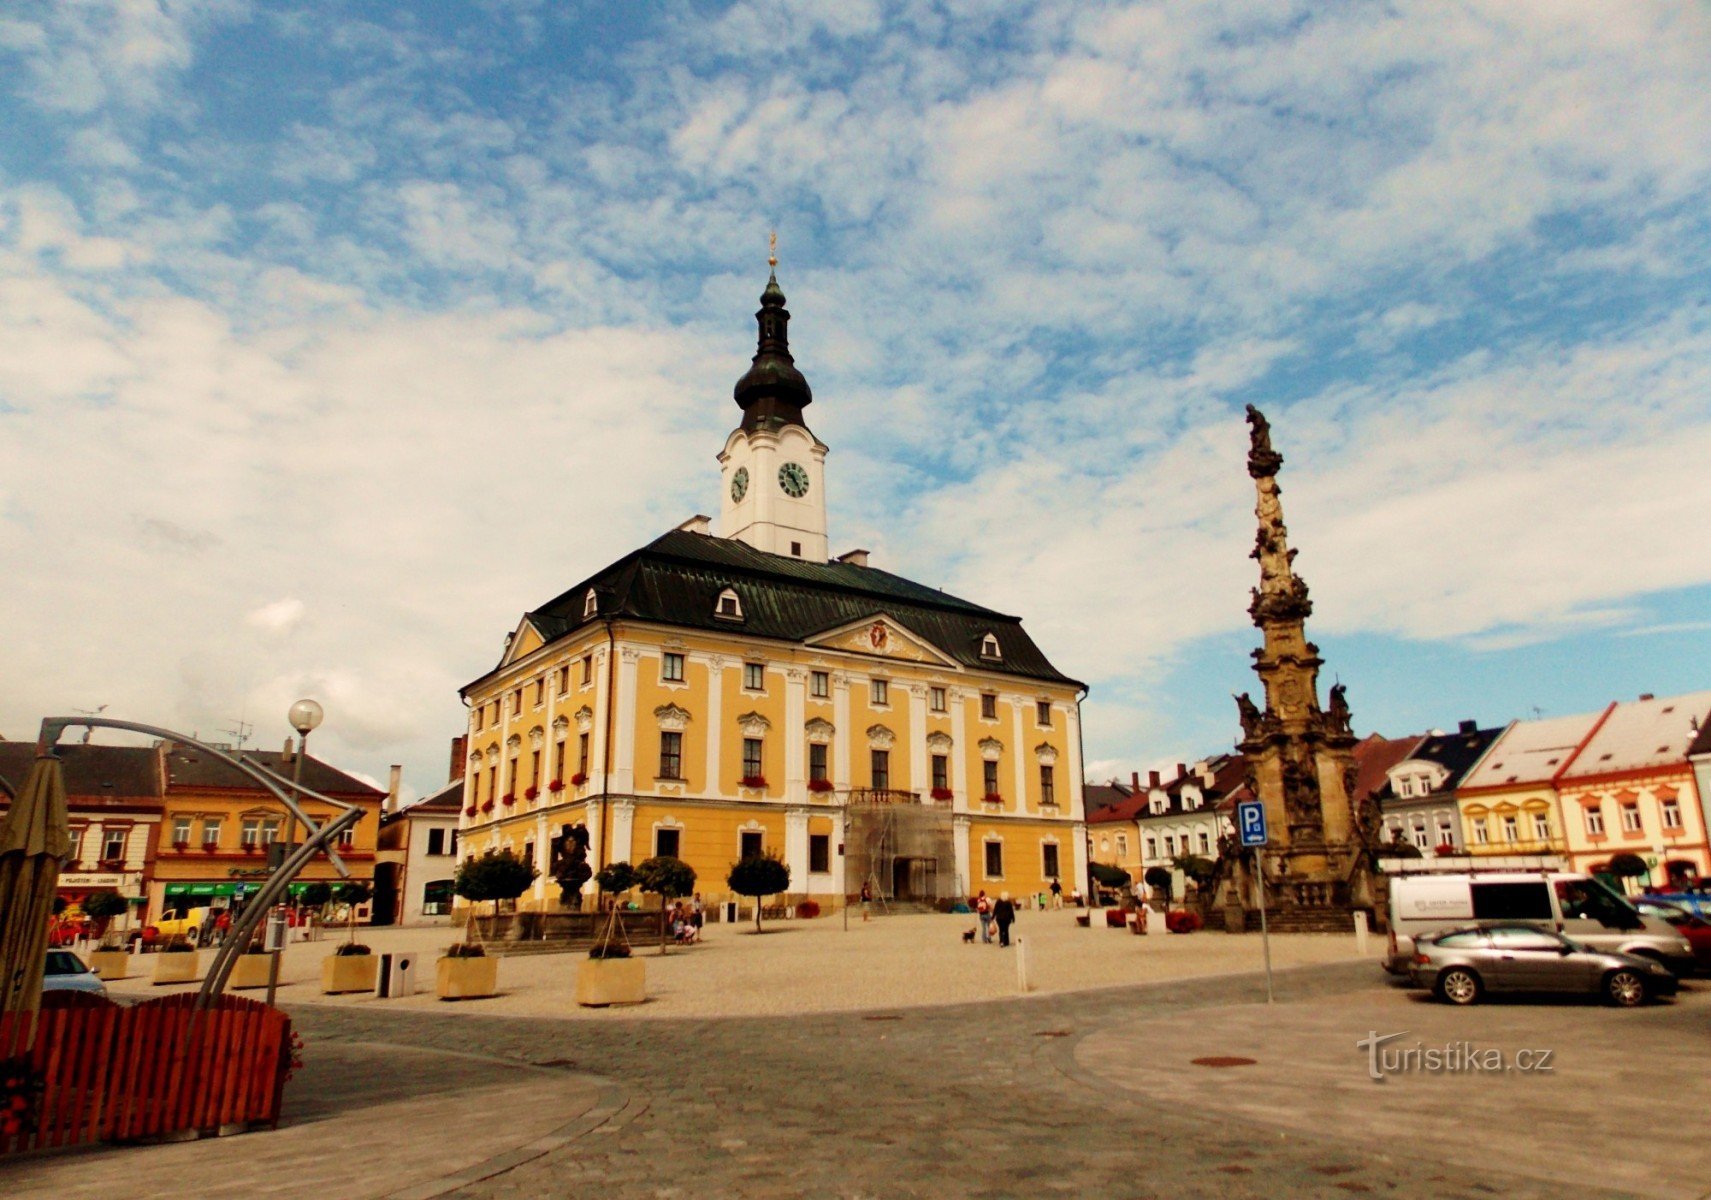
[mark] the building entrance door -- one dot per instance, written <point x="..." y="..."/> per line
<point x="915" y="879"/>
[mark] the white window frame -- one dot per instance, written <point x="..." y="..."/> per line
<point x="1631" y="822"/>
<point x="1594" y="817"/>
<point x="729" y="605"/>
<point x="879" y="693"/>
<point x="753" y="672"/>
<point x="820" y="684"/>
<point x="989" y="647"/>
<point x="671" y="666"/>
<point x="1671" y="810"/>
<point x="590" y="604"/>
<point x="936" y="699"/>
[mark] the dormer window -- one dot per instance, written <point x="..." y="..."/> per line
<point x="729" y="606"/>
<point x="590" y="605"/>
<point x="1158" y="804"/>
<point x="989" y="647"/>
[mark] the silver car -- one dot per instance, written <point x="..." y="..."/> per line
<point x="65" y="972"/>
<point x="1461" y="965"/>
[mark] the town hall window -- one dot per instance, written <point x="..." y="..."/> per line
<point x="816" y="761"/>
<point x="988" y="706"/>
<point x="1048" y="791"/>
<point x="672" y="669"/>
<point x="995" y="860"/>
<point x="729" y="606"/>
<point x="1043" y="712"/>
<point x="754" y="676"/>
<point x="670" y="754"/>
<point x="819" y="685"/>
<point x="936" y="697"/>
<point x="753" y="843"/>
<point x="989" y="647"/>
<point x="590" y="604"/>
<point x="587" y="669"/>
<point x="819" y="853"/>
<point x="942" y="772"/>
<point x="666" y="843"/>
<point x="751" y="758"/>
<point x="582" y="753"/>
<point x="990" y="778"/>
<point x="881" y="693"/>
<point x="881" y="764"/>
<point x="1048" y="860"/>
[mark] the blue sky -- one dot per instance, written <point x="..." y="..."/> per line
<point x="334" y="336"/>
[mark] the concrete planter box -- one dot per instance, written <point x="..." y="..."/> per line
<point x="249" y="971"/>
<point x="603" y="981"/>
<point x="177" y="967"/>
<point x="349" y="973"/>
<point x="110" y="964"/>
<point x="466" y="978"/>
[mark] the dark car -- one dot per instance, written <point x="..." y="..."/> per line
<point x="1463" y="964"/>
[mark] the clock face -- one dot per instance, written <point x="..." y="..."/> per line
<point x="793" y="479"/>
<point x="740" y="483"/>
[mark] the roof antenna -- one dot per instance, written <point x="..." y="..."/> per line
<point x="89" y="712"/>
<point x="241" y="733"/>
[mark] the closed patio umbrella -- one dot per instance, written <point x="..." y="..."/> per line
<point x="34" y="841"/>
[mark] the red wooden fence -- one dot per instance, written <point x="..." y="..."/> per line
<point x="100" y="1072"/>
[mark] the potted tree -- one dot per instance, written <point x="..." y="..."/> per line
<point x="611" y="974"/>
<point x="352" y="967"/>
<point x="112" y="960"/>
<point x="757" y="876"/>
<point x="252" y="967"/>
<point x="466" y="971"/>
<point x="1109" y="876"/>
<point x="669" y="878"/>
<point x="177" y="962"/>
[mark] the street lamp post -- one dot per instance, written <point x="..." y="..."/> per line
<point x="304" y="716"/>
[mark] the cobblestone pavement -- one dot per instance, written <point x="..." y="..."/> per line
<point x="1087" y="1094"/>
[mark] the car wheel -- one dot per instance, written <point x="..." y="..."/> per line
<point x="1458" y="985"/>
<point x="1625" y="989"/>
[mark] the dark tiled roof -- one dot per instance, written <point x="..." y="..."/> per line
<point x="1456" y="752"/>
<point x="448" y="799"/>
<point x="189" y="768"/>
<point x="1702" y="743"/>
<point x="1107" y="802"/>
<point x="1229" y="776"/>
<point x="92" y="770"/>
<point x="676" y="580"/>
<point x="1374" y="756"/>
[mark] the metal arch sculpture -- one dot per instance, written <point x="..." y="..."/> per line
<point x="320" y="839"/>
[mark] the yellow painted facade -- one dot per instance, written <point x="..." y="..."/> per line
<point x="1524" y="819"/>
<point x="614" y="686"/>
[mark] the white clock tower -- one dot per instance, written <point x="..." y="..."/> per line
<point x="773" y="468"/>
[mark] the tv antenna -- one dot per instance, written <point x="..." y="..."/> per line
<point x="241" y="734"/>
<point x="89" y="712"/>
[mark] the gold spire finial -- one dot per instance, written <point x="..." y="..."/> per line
<point x="772" y="248"/>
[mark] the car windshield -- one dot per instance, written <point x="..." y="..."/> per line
<point x="63" y="962"/>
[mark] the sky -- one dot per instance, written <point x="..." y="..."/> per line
<point x="334" y="336"/>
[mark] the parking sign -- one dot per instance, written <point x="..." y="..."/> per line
<point x="1250" y="822"/>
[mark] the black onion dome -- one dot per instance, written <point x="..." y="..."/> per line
<point x="773" y="392"/>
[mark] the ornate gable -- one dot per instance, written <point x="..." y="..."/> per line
<point x="879" y="636"/>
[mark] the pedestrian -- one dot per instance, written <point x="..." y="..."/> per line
<point x="697" y="914"/>
<point x="1004" y="916"/>
<point x="983" y="910"/>
<point x="1057" y="893"/>
<point x="866" y="898"/>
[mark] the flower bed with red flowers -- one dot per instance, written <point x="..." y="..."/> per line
<point x="941" y="793"/>
<point x="1182" y="921"/>
<point x="819" y="785"/>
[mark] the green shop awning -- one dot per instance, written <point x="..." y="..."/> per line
<point x="176" y="890"/>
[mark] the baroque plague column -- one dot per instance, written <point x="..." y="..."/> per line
<point x="1300" y="757"/>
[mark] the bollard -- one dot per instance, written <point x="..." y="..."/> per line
<point x="1021" y="965"/>
<point x="1360" y="934"/>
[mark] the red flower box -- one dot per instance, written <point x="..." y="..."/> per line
<point x="210" y="847"/>
<point x="531" y="792"/>
<point x="250" y="847"/>
<point x="992" y="798"/>
<point x="556" y="786"/>
<point x="488" y="806"/>
<point x="181" y="847"/>
<point x="942" y="793"/>
<point x="578" y="779"/>
<point x="819" y="785"/>
<point x="752" y="781"/>
<point x="470" y="811"/>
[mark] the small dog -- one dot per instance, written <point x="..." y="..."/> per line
<point x="968" y="936"/>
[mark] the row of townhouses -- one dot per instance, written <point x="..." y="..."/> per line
<point x="1633" y="777"/>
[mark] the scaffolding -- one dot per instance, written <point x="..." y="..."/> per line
<point x="904" y="850"/>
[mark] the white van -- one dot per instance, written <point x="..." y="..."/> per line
<point x="1581" y="907"/>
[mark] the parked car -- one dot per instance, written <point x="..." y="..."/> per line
<point x="1461" y="965"/>
<point x="1696" y="900"/>
<point x="65" y="972"/>
<point x="1696" y="929"/>
<point x="1578" y="906"/>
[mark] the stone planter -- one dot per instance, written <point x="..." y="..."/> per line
<point x="110" y="964"/>
<point x="603" y="981"/>
<point x="177" y="967"/>
<point x="466" y="978"/>
<point x="349" y="973"/>
<point x="249" y="971"/>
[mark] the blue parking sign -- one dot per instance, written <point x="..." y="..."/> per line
<point x="1250" y="822"/>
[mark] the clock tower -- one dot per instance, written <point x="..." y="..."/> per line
<point x="772" y="468"/>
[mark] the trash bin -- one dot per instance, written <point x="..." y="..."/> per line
<point x="730" y="912"/>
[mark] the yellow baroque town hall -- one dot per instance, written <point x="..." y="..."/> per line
<point x="712" y="696"/>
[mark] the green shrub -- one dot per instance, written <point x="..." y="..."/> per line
<point x="497" y="875"/>
<point x="666" y="877"/>
<point x="759" y="875"/>
<point x="1109" y="874"/>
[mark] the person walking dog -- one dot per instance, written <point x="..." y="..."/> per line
<point x="1004" y="916"/>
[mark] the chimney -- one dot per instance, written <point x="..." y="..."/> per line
<point x="1134" y="781"/>
<point x="290" y="750"/>
<point x="697" y="524"/>
<point x="1181" y="770"/>
<point x="460" y="751"/>
<point x="1647" y="696"/>
<point x="1152" y="779"/>
<point x="390" y="804"/>
<point x="855" y="558"/>
<point x="1470" y="726"/>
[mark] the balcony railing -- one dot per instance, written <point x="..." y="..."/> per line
<point x="887" y="796"/>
